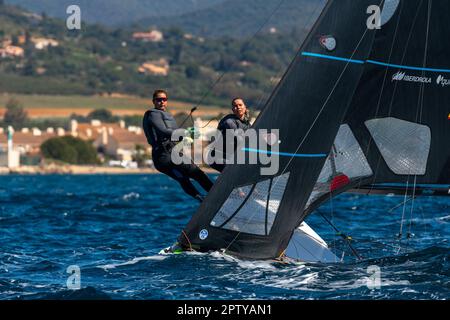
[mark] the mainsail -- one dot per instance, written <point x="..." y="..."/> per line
<point x="398" y="118"/>
<point x="369" y="105"/>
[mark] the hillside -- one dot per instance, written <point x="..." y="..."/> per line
<point x="98" y="60"/>
<point x="115" y="12"/>
<point x="237" y="18"/>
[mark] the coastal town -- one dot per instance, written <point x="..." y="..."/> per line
<point x="118" y="147"/>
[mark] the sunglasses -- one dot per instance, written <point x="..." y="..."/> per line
<point x="160" y="99"/>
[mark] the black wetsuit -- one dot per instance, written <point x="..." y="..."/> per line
<point x="232" y="122"/>
<point x="158" y="127"/>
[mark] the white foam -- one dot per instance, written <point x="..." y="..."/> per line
<point x="130" y="196"/>
<point x="131" y="262"/>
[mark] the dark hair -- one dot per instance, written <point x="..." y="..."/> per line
<point x="158" y="92"/>
<point x="234" y="99"/>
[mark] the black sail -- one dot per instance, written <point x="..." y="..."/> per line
<point x="399" y="117"/>
<point x="254" y="216"/>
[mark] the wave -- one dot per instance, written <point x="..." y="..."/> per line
<point x="131" y="262"/>
<point x="88" y="293"/>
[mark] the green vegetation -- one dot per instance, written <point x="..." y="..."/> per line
<point x="141" y="155"/>
<point x="69" y="150"/>
<point x="98" y="60"/>
<point x="15" y="114"/>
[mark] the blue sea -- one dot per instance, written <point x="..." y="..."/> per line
<point x="113" y="227"/>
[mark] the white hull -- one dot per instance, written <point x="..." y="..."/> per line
<point x="307" y="246"/>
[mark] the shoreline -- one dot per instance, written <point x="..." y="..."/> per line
<point x="79" y="170"/>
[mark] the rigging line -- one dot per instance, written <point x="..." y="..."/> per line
<point x="384" y="80"/>
<point x="319" y="113"/>
<point x="400" y="204"/>
<point x="187" y="238"/>
<point x="404" y="53"/>
<point x="345" y="237"/>
<point x="274" y="184"/>
<point x="342" y="235"/>
<point x="263" y="97"/>
<point x="207" y="93"/>
<point x="317" y="117"/>
<point x="390" y="112"/>
<point x="396" y="84"/>
<point x="324" y="105"/>
<point x="420" y="109"/>
<point x="404" y="209"/>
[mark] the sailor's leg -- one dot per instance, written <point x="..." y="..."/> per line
<point x="185" y="183"/>
<point x="194" y="172"/>
<point x="164" y="165"/>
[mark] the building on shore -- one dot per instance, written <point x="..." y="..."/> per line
<point x="151" y="36"/>
<point x="156" y="67"/>
<point x="113" y="140"/>
<point x="43" y="43"/>
<point x="12" y="52"/>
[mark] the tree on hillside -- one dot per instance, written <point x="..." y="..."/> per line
<point x="104" y="115"/>
<point x="70" y="150"/>
<point x="192" y="71"/>
<point x="15" y="114"/>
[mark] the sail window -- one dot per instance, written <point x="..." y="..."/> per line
<point x="276" y="194"/>
<point x="252" y="209"/>
<point x="231" y="205"/>
<point x="251" y="218"/>
<point x="346" y="162"/>
<point x="405" y="146"/>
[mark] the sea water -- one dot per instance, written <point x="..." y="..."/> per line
<point x="98" y="237"/>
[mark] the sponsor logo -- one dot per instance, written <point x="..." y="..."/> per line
<point x="402" y="76"/>
<point x="203" y="234"/>
<point x="328" y="42"/>
<point x="442" y="81"/>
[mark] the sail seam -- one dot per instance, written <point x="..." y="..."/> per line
<point x="267" y="206"/>
<point x="384" y="64"/>
<point x="317" y="55"/>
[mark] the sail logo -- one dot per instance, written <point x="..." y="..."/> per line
<point x="328" y="42"/>
<point x="399" y="76"/>
<point x="442" y="81"/>
<point x="203" y="234"/>
<point x="402" y="76"/>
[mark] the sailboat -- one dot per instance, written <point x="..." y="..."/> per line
<point x="363" y="107"/>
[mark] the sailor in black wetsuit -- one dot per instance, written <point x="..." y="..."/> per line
<point x="158" y="127"/>
<point x="239" y="119"/>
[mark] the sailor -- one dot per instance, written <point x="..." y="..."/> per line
<point x="158" y="126"/>
<point x="239" y="119"/>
